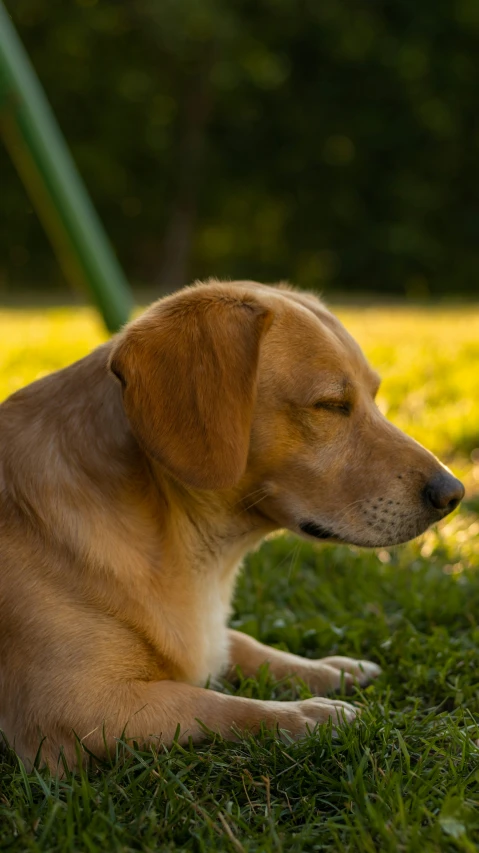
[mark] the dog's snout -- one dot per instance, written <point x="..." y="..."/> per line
<point x="443" y="492"/>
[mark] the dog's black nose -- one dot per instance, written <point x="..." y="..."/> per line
<point x="443" y="492"/>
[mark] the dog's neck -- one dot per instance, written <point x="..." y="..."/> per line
<point x="79" y="470"/>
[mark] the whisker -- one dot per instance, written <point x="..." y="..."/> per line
<point x="257" y="501"/>
<point x="249" y="495"/>
<point x="294" y="558"/>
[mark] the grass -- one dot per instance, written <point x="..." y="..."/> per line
<point x="405" y="777"/>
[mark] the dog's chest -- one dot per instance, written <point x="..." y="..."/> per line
<point x="205" y="619"/>
<point x="210" y="645"/>
<point x="187" y="614"/>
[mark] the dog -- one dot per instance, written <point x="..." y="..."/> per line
<point x="133" y="483"/>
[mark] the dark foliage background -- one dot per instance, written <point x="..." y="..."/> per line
<point x="331" y="142"/>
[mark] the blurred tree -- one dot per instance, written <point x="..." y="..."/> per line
<point x="332" y="143"/>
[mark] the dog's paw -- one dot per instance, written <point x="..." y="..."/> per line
<point x="311" y="712"/>
<point x="340" y="673"/>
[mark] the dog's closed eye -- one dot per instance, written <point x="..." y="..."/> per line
<point x="341" y="407"/>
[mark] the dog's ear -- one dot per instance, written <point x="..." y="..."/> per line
<point x="189" y="368"/>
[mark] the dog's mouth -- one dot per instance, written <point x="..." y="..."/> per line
<point x="316" y="530"/>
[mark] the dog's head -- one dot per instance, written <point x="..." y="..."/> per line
<point x="262" y="391"/>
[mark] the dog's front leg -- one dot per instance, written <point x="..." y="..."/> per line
<point x="154" y="712"/>
<point x="321" y="676"/>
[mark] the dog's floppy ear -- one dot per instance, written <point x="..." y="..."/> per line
<point x="188" y="368"/>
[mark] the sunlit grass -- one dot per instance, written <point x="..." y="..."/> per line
<point x="405" y="777"/>
<point x="36" y="342"/>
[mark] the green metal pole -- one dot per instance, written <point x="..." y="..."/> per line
<point x="40" y="154"/>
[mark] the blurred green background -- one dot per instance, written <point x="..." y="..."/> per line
<point x="328" y="142"/>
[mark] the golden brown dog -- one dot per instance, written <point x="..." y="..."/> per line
<point x="132" y="485"/>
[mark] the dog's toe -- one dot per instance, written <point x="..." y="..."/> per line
<point x="355" y="671"/>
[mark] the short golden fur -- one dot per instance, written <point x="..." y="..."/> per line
<point x="132" y="485"/>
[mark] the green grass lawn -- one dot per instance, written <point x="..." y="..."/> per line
<point x="405" y="777"/>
